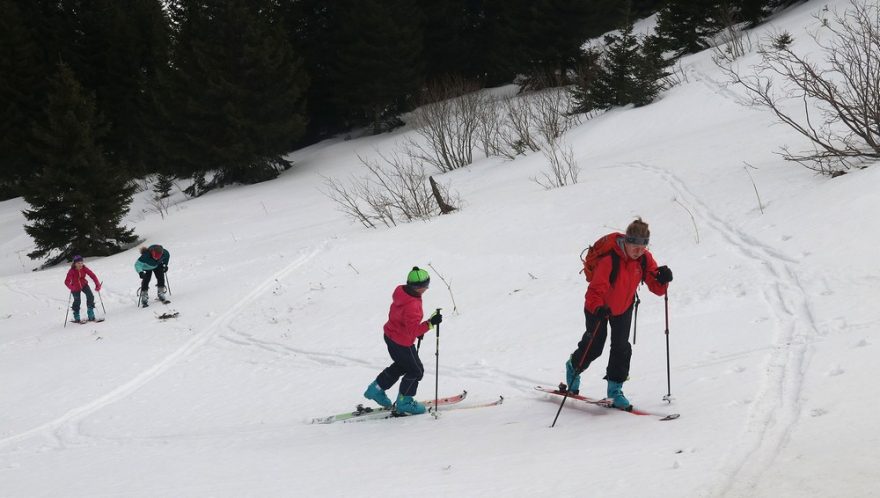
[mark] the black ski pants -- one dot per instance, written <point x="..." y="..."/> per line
<point x="590" y="348"/>
<point x="145" y="278"/>
<point x="407" y="364"/>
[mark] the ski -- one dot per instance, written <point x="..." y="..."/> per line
<point x="446" y="408"/>
<point x="368" y="413"/>
<point x="83" y="322"/>
<point x="605" y="402"/>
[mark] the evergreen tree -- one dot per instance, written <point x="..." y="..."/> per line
<point x="377" y="67"/>
<point x="162" y="188"/>
<point x="117" y="51"/>
<point x="752" y="11"/>
<point x="234" y="101"/>
<point x="543" y="38"/>
<point x="310" y="25"/>
<point x="684" y="25"/>
<point x="22" y="93"/>
<point x="452" y="39"/>
<point x="557" y="30"/>
<point x="505" y="36"/>
<point x="79" y="197"/>
<point x="629" y="72"/>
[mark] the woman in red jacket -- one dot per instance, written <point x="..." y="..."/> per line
<point x="77" y="283"/>
<point x="403" y="327"/>
<point x="611" y="302"/>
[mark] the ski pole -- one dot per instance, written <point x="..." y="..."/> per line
<point x="168" y="284"/>
<point x="437" y="370"/>
<point x="69" y="297"/>
<point x="580" y="365"/>
<point x="636" y="318"/>
<point x="102" y="303"/>
<point x="668" y="397"/>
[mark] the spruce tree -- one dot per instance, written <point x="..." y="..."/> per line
<point x="452" y="39"/>
<point x="234" y="101"/>
<point x="557" y="29"/>
<point x="22" y="93"/>
<point x="78" y="198"/>
<point x="684" y="25"/>
<point x="629" y="72"/>
<point x="377" y="68"/>
<point x="752" y="11"/>
<point x="117" y="51"/>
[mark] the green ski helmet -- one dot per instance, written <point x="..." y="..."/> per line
<point x="418" y="278"/>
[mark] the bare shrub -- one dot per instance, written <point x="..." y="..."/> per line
<point x="489" y="127"/>
<point x="840" y="112"/>
<point x="396" y="189"/>
<point x="563" y="169"/>
<point x="733" y="41"/>
<point x="448" y="122"/>
<point x="516" y="135"/>
<point x="552" y="115"/>
<point x="676" y="76"/>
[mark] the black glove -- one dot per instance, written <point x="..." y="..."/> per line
<point x="664" y="274"/>
<point x="165" y="268"/>
<point x="435" y="319"/>
<point x="142" y="274"/>
<point x="602" y="312"/>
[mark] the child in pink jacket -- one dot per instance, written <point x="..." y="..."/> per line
<point x="77" y="283"/>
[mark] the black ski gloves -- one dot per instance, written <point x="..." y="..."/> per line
<point x="435" y="319"/>
<point x="664" y="274"/>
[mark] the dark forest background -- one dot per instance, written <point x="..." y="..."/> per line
<point x="95" y="93"/>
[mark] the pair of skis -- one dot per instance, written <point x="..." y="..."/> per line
<point x="607" y="403"/>
<point x="362" y="413"/>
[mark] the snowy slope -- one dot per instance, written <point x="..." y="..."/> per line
<point x="281" y="299"/>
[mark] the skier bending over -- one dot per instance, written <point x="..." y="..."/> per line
<point x="154" y="259"/>
<point x="612" y="302"/>
<point x="403" y="327"/>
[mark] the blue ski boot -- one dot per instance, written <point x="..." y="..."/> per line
<point x="572" y="378"/>
<point x="76" y="317"/>
<point x="91" y="314"/>
<point x="615" y="394"/>
<point x="406" y="404"/>
<point x="375" y="393"/>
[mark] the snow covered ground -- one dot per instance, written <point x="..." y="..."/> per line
<point x="772" y="317"/>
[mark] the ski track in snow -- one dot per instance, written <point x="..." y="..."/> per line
<point x="65" y="429"/>
<point x="776" y="406"/>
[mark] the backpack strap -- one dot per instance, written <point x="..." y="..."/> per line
<point x="615" y="266"/>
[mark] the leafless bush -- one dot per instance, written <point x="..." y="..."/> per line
<point x="489" y="127"/>
<point x="552" y="113"/>
<point x="448" y="122"/>
<point x="517" y="132"/>
<point x="732" y="42"/>
<point x="563" y="169"/>
<point x="395" y="189"/>
<point x="840" y="114"/>
<point x="676" y="76"/>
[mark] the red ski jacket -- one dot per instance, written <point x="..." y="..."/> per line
<point x="76" y="279"/>
<point x="620" y="296"/>
<point x="405" y="318"/>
